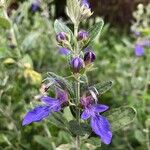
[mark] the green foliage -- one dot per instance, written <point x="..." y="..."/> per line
<point x="5" y="23"/>
<point x="79" y="129"/>
<point x="120" y="117"/>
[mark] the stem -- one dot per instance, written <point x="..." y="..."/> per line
<point x="76" y="50"/>
<point x="11" y="31"/>
<point x="78" y="111"/>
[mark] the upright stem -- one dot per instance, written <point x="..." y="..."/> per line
<point x="76" y="50"/>
<point x="78" y="112"/>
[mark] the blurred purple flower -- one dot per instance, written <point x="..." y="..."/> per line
<point x="85" y="3"/>
<point x="76" y="64"/>
<point x="137" y="33"/>
<point x="139" y="50"/>
<point x="100" y="125"/>
<point x="139" y="47"/>
<point x="51" y="105"/>
<point x="35" y="6"/>
<point x="64" y="51"/>
<point x="83" y="35"/>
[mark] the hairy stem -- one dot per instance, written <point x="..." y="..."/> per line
<point x="78" y="112"/>
<point x="76" y="50"/>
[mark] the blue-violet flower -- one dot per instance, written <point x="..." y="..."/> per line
<point x="100" y="125"/>
<point x="64" y="51"/>
<point x="50" y="105"/>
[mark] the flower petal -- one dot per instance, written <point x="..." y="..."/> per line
<point x="54" y="104"/>
<point x="36" y="115"/>
<point x="100" y="108"/>
<point x="86" y="114"/>
<point x="49" y="100"/>
<point x="64" y="51"/>
<point x="101" y="127"/>
<point x="61" y="95"/>
<point x="139" y="50"/>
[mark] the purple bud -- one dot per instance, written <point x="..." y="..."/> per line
<point x="82" y="35"/>
<point x="76" y="64"/>
<point x="85" y="3"/>
<point x="139" y="50"/>
<point x="35" y="6"/>
<point x="60" y="37"/>
<point x="89" y="57"/>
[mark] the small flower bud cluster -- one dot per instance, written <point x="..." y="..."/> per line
<point x="77" y="63"/>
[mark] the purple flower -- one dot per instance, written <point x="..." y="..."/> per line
<point x="139" y="50"/>
<point x="89" y="57"/>
<point x="35" y="6"/>
<point x="50" y="105"/>
<point x="100" y="125"/>
<point x="137" y="33"/>
<point x="64" y="51"/>
<point x="60" y="37"/>
<point x="82" y="35"/>
<point x="76" y="64"/>
<point x="85" y="3"/>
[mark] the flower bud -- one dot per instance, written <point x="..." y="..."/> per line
<point x="76" y="64"/>
<point x="82" y="35"/>
<point x="35" y="6"/>
<point x="85" y="9"/>
<point x="61" y="37"/>
<point x="89" y="57"/>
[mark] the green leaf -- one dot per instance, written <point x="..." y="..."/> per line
<point x="102" y="87"/>
<point x="60" y="26"/>
<point x="26" y="61"/>
<point x="43" y="141"/>
<point x="5" y="23"/>
<point x="30" y="40"/>
<point x="120" y="117"/>
<point x="140" y="136"/>
<point x="77" y="128"/>
<point x="94" y="31"/>
<point x="73" y="10"/>
<point x="63" y="83"/>
<point x="58" y="120"/>
<point x="94" y="141"/>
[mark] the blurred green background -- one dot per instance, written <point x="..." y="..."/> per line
<point x="28" y="50"/>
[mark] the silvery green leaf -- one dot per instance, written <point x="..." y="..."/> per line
<point x="77" y="128"/>
<point x="120" y="117"/>
<point x="101" y="88"/>
<point x="58" y="120"/>
<point x="30" y="40"/>
<point x="73" y="10"/>
<point x="94" y="31"/>
<point x="63" y="83"/>
<point x="60" y="26"/>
